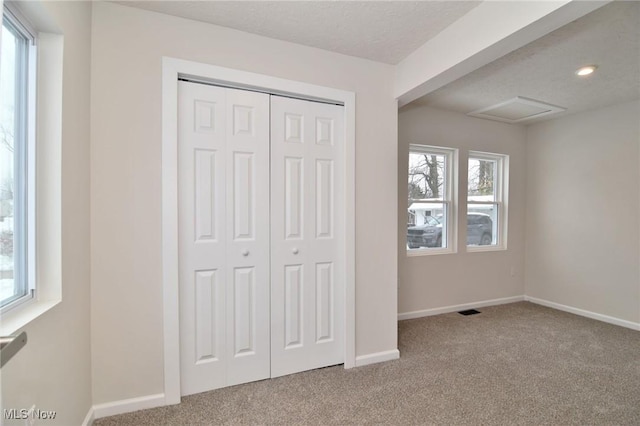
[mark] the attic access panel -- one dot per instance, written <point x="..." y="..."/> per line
<point x="517" y="110"/>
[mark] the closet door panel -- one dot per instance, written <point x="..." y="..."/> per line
<point x="202" y="240"/>
<point x="223" y="156"/>
<point x="248" y="331"/>
<point x="307" y="250"/>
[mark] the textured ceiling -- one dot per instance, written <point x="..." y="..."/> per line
<point x="383" y="31"/>
<point x="544" y="69"/>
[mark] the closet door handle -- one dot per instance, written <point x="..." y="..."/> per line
<point x="245" y="252"/>
<point x="295" y="251"/>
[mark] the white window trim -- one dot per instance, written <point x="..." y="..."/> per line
<point x="28" y="264"/>
<point x="501" y="188"/>
<point x="46" y="246"/>
<point x="451" y="197"/>
<point x="21" y="21"/>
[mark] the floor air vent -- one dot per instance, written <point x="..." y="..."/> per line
<point x="469" y="312"/>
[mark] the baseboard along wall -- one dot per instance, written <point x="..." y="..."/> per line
<point x="584" y="313"/>
<point x="484" y="303"/>
<point x="457" y="308"/>
<point x="89" y="418"/>
<point x="377" y="357"/>
<point x="127" y="406"/>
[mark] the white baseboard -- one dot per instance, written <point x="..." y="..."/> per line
<point x="600" y="317"/>
<point x="377" y="357"/>
<point x="457" y="308"/>
<point x="89" y="418"/>
<point x="128" y="405"/>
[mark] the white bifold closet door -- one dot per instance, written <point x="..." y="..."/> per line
<point x="261" y="249"/>
<point x="307" y="231"/>
<point x="223" y="154"/>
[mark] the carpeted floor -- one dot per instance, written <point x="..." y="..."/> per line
<point x="513" y="364"/>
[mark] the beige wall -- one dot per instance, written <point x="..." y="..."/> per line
<point x="583" y="211"/>
<point x="436" y="281"/>
<point x="54" y="370"/>
<point x="128" y="45"/>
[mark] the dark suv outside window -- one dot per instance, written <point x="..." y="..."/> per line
<point x="429" y="234"/>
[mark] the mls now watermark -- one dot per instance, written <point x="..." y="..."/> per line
<point x="24" y="414"/>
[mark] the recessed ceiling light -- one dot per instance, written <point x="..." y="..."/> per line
<point x="586" y="70"/>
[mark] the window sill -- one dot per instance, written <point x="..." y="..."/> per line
<point x="16" y="319"/>
<point x="429" y="252"/>
<point x="476" y="249"/>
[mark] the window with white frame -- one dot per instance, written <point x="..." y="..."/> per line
<point x="430" y="200"/>
<point x="486" y="200"/>
<point x="17" y="160"/>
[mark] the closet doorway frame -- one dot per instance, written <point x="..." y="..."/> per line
<point x="174" y="69"/>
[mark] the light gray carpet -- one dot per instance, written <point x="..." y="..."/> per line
<point x="510" y="365"/>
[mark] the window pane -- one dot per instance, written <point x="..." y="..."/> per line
<point x="12" y="164"/>
<point x="426" y="176"/>
<point x="429" y="227"/>
<point x="427" y="201"/>
<point x="482" y="224"/>
<point x="481" y="180"/>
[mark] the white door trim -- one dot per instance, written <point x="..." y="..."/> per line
<point x="173" y="68"/>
